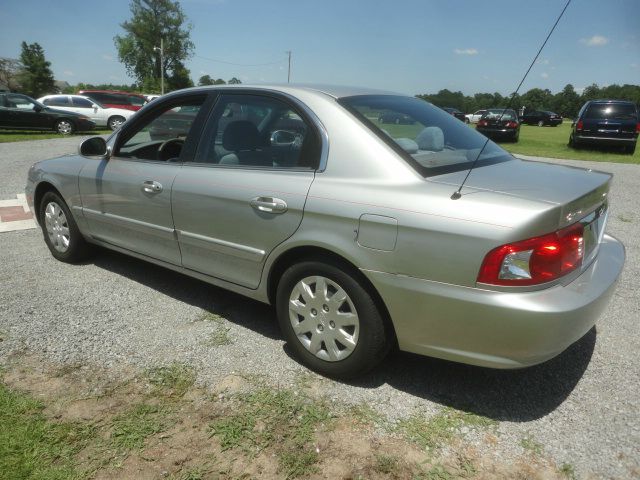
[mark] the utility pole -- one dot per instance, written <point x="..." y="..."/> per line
<point x="161" y="50"/>
<point x="289" y="71"/>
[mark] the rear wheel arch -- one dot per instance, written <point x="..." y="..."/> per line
<point x="320" y="254"/>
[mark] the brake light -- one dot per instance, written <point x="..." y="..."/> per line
<point x="482" y="123"/>
<point x="579" y="125"/>
<point x="638" y="127"/>
<point x="512" y="124"/>
<point x="536" y="260"/>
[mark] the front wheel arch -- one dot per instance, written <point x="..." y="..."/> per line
<point x="312" y="253"/>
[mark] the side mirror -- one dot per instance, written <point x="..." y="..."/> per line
<point x="37" y="108"/>
<point x="94" y="147"/>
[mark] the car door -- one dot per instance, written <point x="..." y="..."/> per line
<point x="245" y="192"/>
<point x="24" y="113"/>
<point x="88" y="108"/>
<point x="126" y="198"/>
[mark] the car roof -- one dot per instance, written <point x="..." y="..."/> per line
<point x="335" y="91"/>
<point x="611" y="101"/>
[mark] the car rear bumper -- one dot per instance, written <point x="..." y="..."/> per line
<point x="498" y="132"/>
<point x="623" y="141"/>
<point x="498" y="329"/>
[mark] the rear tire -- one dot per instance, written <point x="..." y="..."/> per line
<point x="631" y="149"/>
<point x="330" y="321"/>
<point x="61" y="233"/>
<point x="541" y="123"/>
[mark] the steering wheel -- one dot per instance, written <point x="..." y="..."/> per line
<point x="170" y="148"/>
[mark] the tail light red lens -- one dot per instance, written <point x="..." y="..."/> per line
<point x="482" y="123"/>
<point x="579" y="125"/>
<point x="512" y="124"/>
<point x="535" y="260"/>
<point x="637" y="127"/>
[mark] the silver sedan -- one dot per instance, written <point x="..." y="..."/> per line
<point x="357" y="231"/>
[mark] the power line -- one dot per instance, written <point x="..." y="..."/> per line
<point x="241" y="64"/>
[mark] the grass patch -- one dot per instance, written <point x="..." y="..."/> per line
<point x="552" y="142"/>
<point x="173" y="380"/>
<point x="568" y="471"/>
<point x="432" y="433"/>
<point x="386" y="464"/>
<point x="529" y="444"/>
<point x="32" y="446"/>
<point x="132" y="428"/>
<point x="622" y="218"/>
<point x="25" y="135"/>
<point x="278" y="419"/>
<point x="364" y="414"/>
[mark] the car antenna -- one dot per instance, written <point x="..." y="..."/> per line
<point x="456" y="195"/>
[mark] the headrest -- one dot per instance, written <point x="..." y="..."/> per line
<point x="240" y="135"/>
<point x="431" y="138"/>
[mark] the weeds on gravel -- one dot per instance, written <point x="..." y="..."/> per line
<point x="275" y="418"/>
<point x="568" y="471"/>
<point x="220" y="335"/>
<point x="173" y="380"/>
<point x="431" y="433"/>
<point x="132" y="428"/>
<point x="386" y="464"/>
<point x="364" y="414"/>
<point x="528" y="443"/>
<point x="32" y="446"/>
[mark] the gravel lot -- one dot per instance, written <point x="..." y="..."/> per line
<point x="583" y="407"/>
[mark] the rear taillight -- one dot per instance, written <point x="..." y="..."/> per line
<point x="482" y="123"/>
<point x="579" y="125"/>
<point x="512" y="124"/>
<point x="536" y="260"/>
<point x="637" y="127"/>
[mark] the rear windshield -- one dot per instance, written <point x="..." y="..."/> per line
<point x="617" y="111"/>
<point x="431" y="140"/>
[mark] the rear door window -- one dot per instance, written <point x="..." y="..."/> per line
<point x="612" y="111"/>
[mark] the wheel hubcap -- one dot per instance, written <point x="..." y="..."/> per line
<point x="57" y="227"/>
<point x="116" y="123"/>
<point x="64" y="127"/>
<point x="324" y="318"/>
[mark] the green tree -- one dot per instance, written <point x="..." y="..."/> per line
<point x="151" y="21"/>
<point x="205" y="80"/>
<point x="234" y="81"/>
<point x="9" y="71"/>
<point x="35" y="77"/>
<point x="567" y="102"/>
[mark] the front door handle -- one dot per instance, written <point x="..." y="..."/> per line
<point x="151" y="186"/>
<point x="269" y="204"/>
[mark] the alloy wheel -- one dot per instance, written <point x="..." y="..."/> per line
<point x="65" y="127"/>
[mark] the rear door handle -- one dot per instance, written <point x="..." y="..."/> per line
<point x="269" y="204"/>
<point x="151" y="186"/>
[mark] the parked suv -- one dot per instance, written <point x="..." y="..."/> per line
<point x="606" y="122"/>
<point x="116" y="99"/>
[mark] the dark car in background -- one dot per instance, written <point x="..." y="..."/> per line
<point x="500" y="124"/>
<point x="606" y="123"/>
<point x="456" y="113"/>
<point x="395" y="117"/>
<point x="21" y="112"/>
<point x="116" y="99"/>
<point x="541" y="118"/>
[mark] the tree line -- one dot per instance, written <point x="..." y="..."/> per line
<point x="566" y="102"/>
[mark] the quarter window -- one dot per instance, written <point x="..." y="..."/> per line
<point x="258" y="131"/>
<point x="82" y="103"/>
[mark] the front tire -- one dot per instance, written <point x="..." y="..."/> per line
<point x="61" y="233"/>
<point x="541" y="123"/>
<point x="115" y="122"/>
<point x="330" y="321"/>
<point x="65" y="127"/>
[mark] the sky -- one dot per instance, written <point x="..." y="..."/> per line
<point x="407" y="46"/>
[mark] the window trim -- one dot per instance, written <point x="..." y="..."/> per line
<point x="308" y="116"/>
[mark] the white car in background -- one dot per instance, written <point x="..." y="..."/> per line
<point x="102" y="116"/>
<point x="474" y="117"/>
